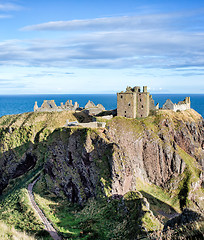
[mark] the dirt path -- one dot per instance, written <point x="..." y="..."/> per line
<point x="169" y="216"/>
<point x="48" y="226"/>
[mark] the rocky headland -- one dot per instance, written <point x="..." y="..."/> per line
<point x="149" y="169"/>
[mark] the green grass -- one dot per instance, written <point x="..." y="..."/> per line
<point x="191" y="163"/>
<point x="103" y="218"/>
<point x="10" y="233"/>
<point x="16" y="210"/>
<point x="163" y="199"/>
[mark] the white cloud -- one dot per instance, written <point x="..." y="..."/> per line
<point x="176" y="20"/>
<point x="148" y="41"/>
<point x="117" y="49"/>
<point x="9" y="7"/>
<point x="99" y="24"/>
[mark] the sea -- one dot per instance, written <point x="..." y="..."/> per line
<point x="15" y="104"/>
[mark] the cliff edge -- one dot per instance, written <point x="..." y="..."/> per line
<point x="157" y="161"/>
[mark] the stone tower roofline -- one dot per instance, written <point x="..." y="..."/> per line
<point x="135" y="89"/>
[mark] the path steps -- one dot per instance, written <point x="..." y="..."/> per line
<point x="48" y="226"/>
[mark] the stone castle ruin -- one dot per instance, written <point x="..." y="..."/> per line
<point x="133" y="103"/>
<point x="136" y="104"/>
<point x="182" y="105"/>
<point x="50" y="106"/>
<point x="92" y="109"/>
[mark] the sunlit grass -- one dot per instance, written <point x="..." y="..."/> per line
<point x="10" y="233"/>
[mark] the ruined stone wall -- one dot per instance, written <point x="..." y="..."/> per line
<point x="86" y="125"/>
<point x="142" y="104"/>
<point x="181" y="106"/>
<point x="50" y="106"/>
<point x="152" y="105"/>
<point x="126" y="104"/>
<point x="168" y="105"/>
<point x="136" y="104"/>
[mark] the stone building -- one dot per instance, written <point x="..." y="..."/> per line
<point x="92" y="109"/>
<point x="69" y="106"/>
<point x="135" y="104"/>
<point x="182" y="105"/>
<point x="47" y="106"/>
<point x="50" y="106"/>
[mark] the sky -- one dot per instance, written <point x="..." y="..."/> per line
<point x="101" y="46"/>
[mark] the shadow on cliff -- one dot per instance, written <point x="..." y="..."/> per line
<point x="159" y="207"/>
<point x="19" y="164"/>
<point x="16" y="162"/>
<point x="83" y="117"/>
<point x="79" y="162"/>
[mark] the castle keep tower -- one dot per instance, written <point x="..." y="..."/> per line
<point x="133" y="103"/>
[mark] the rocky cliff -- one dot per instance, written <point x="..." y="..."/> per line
<point x="165" y="150"/>
<point x="161" y="156"/>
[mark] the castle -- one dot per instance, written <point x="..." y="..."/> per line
<point x="133" y="103"/>
<point x="136" y="104"/>
<point x="182" y="105"/>
<point x="50" y="106"/>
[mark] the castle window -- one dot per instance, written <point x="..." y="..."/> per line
<point x="125" y="115"/>
<point x="142" y="106"/>
<point x="125" y="111"/>
<point x="129" y="104"/>
<point x="140" y="99"/>
<point x="121" y="96"/>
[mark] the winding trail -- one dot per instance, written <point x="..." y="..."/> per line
<point x="48" y="226"/>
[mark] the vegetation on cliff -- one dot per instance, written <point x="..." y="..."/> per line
<point x="121" y="182"/>
<point x="9" y="233"/>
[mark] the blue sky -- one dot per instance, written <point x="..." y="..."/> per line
<point x="84" y="46"/>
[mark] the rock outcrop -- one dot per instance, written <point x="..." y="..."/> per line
<point x="162" y="150"/>
<point x="187" y="216"/>
<point x="165" y="151"/>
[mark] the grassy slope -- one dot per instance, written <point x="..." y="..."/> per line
<point x="94" y="221"/>
<point x="9" y="233"/>
<point x="43" y="119"/>
<point x="15" y="209"/>
<point x="98" y="219"/>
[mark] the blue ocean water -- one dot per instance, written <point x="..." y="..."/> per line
<point x="14" y="104"/>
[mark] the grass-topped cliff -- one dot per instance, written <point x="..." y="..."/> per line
<point x="120" y="182"/>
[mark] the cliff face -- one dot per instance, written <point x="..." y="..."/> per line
<point x="166" y="150"/>
<point x="157" y="149"/>
<point x="78" y="161"/>
<point x="22" y="145"/>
